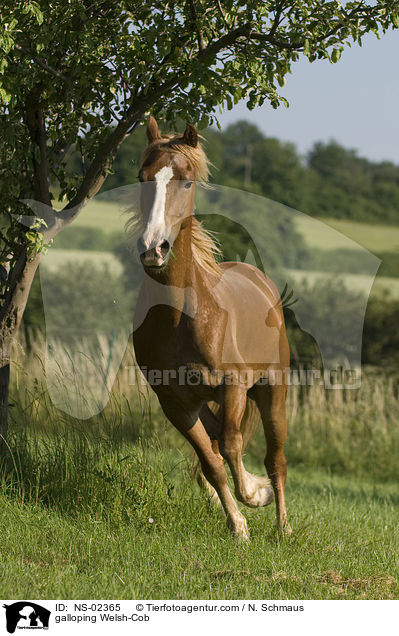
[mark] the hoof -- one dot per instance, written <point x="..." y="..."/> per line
<point x="239" y="529"/>
<point x="263" y="496"/>
<point x="284" y="530"/>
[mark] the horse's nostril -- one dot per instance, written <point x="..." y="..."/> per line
<point x="165" y="245"/>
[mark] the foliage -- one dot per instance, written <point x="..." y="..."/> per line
<point x="380" y="335"/>
<point x="331" y="181"/>
<point x="348" y="186"/>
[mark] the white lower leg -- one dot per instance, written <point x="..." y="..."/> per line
<point x="252" y="490"/>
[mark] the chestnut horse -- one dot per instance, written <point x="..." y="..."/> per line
<point x="210" y="335"/>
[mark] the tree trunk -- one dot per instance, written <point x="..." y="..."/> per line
<point x="10" y="318"/>
<point x="4" y="382"/>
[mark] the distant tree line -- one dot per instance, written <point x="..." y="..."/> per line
<point x="330" y="181"/>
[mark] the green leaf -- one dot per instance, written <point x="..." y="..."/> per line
<point x="335" y="55"/>
<point x="5" y="97"/>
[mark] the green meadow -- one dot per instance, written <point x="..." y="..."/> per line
<point x="109" y="508"/>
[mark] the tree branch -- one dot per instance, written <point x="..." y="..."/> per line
<point x="266" y="37"/>
<point x="225" y="41"/>
<point x="221" y="13"/>
<point x="46" y="67"/>
<point x="195" y="21"/>
<point x="276" y="21"/>
<point x="98" y="169"/>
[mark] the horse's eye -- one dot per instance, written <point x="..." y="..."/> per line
<point x="188" y="184"/>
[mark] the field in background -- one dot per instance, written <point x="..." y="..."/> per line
<point x="376" y="238"/>
<point x="353" y="282"/>
<point x="58" y="258"/>
<point x="109" y="218"/>
<point x="106" y="216"/>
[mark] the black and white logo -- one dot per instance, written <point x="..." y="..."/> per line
<point x="26" y="615"/>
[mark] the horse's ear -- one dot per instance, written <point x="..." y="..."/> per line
<point x="152" y="130"/>
<point x="190" y="136"/>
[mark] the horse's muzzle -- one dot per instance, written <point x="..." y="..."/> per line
<point x="156" y="257"/>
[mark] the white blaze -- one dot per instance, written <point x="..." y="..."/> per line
<point x="155" y="230"/>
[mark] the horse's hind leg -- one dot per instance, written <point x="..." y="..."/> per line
<point x="251" y="490"/>
<point x="271" y="403"/>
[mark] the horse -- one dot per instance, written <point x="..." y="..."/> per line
<point x="208" y="335"/>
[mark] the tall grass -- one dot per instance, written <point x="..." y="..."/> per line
<point x="123" y="457"/>
<point x="353" y="431"/>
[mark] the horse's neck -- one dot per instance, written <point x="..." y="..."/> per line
<point x="175" y="286"/>
<point x="180" y="270"/>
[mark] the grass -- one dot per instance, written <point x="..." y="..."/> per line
<point x="76" y="522"/>
<point x="344" y="545"/>
<point x="108" y="508"/>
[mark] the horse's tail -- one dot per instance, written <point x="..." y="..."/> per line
<point x="249" y="423"/>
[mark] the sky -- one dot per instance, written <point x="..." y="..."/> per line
<point x="355" y="102"/>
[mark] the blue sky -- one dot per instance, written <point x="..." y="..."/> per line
<point x="355" y="102"/>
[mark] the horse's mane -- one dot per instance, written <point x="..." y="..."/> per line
<point x="205" y="249"/>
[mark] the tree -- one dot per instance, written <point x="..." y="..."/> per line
<point x="71" y="69"/>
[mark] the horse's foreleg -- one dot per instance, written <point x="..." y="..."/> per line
<point x="215" y="473"/>
<point x="211" y="463"/>
<point x="204" y="483"/>
<point x="250" y="489"/>
<point x="271" y="404"/>
<point x="213" y="427"/>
